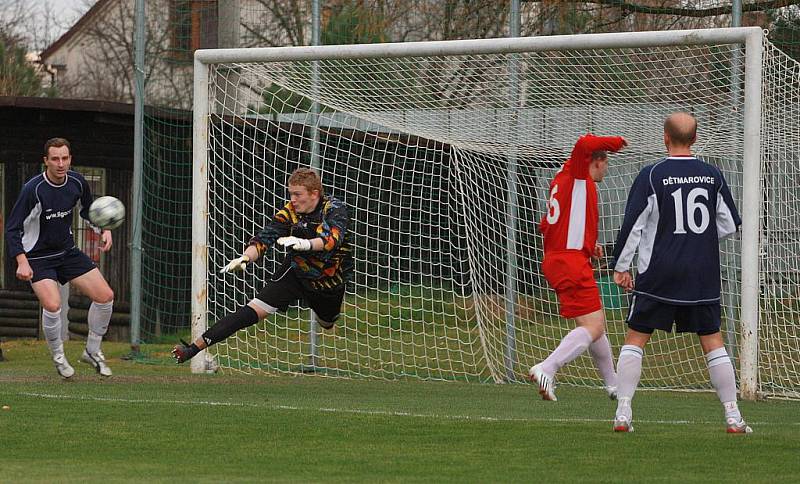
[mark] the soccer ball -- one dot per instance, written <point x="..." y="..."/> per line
<point x="107" y="213"/>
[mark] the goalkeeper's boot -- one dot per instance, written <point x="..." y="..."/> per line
<point x="623" y="424"/>
<point x="97" y="361"/>
<point x="546" y="384"/>
<point x="183" y="352"/>
<point x="63" y="367"/>
<point x="738" y="426"/>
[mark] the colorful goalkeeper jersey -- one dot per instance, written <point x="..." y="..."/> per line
<point x="571" y="219"/>
<point x="40" y="224"/>
<point x="678" y="209"/>
<point x="325" y="269"/>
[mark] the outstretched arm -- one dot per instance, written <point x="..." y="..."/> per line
<point x="582" y="152"/>
<point x="266" y="238"/>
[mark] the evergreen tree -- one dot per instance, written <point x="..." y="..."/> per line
<point x="17" y="76"/>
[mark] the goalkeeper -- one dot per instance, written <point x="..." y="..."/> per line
<point x="313" y="229"/>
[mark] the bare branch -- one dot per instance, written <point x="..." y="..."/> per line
<point x="629" y="7"/>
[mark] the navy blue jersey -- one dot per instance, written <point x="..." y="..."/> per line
<point x="40" y="224"/>
<point x="677" y="212"/>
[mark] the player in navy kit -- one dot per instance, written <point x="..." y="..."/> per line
<point x="677" y="211"/>
<point x="39" y="237"/>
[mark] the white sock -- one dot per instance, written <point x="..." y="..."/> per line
<point x="98" y="319"/>
<point x="600" y="349"/>
<point x="629" y="370"/>
<point x="571" y="347"/>
<point x="723" y="379"/>
<point x="51" y="322"/>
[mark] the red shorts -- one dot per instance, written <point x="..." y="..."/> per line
<point x="571" y="275"/>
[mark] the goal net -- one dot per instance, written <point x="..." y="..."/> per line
<point x="443" y="153"/>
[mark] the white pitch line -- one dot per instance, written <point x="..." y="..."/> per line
<point x="355" y="411"/>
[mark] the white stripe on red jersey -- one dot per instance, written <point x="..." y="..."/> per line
<point x="571" y="219"/>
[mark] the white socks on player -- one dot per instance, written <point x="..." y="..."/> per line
<point x="98" y="319"/>
<point x="600" y="350"/>
<point x="629" y="370"/>
<point x="51" y="322"/>
<point x="571" y="347"/>
<point x="723" y="380"/>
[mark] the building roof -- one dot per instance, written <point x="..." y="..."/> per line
<point x="75" y="29"/>
<point x="88" y="105"/>
<point x="62" y="104"/>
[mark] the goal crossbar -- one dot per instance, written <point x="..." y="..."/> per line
<point x="615" y="40"/>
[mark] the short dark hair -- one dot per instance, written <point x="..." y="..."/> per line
<point x="55" y="143"/>
<point x="680" y="133"/>
<point x="599" y="155"/>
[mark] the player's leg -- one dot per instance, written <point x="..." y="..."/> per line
<point x="93" y="285"/>
<point x="603" y="358"/>
<point x="47" y="292"/>
<point x="579" y="299"/>
<point x="629" y="371"/>
<point x="326" y="304"/>
<point x="705" y="320"/>
<point x="572" y="346"/>
<point x="644" y="316"/>
<point x="723" y="379"/>
<point x="276" y="296"/>
<point x="589" y="327"/>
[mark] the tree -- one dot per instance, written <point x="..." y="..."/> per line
<point x="17" y="75"/>
<point x="785" y="31"/>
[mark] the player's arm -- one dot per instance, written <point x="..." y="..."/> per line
<point x="586" y="145"/>
<point x="330" y="236"/>
<point x="14" y="230"/>
<point x="334" y="229"/>
<point x="641" y="203"/>
<point x="263" y="240"/>
<point x="728" y="219"/>
<point x="590" y="143"/>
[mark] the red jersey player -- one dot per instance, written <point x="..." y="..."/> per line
<point x="570" y="241"/>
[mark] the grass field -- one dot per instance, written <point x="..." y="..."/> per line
<point x="159" y="423"/>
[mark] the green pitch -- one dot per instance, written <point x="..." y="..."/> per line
<point x="158" y="423"/>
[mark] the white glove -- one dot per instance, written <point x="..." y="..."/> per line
<point x="298" y="244"/>
<point x="237" y="264"/>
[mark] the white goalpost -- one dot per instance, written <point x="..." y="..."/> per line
<point x="443" y="152"/>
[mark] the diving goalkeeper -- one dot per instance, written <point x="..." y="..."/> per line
<point x="313" y="229"/>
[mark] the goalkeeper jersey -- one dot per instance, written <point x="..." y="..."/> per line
<point x="571" y="219"/>
<point x="677" y="211"/>
<point x="325" y="269"/>
<point x="40" y="224"/>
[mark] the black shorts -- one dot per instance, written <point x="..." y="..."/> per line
<point x="646" y="315"/>
<point x="62" y="268"/>
<point x="286" y="288"/>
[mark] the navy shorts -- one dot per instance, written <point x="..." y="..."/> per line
<point x="62" y="268"/>
<point x="286" y="288"/>
<point x="646" y="315"/>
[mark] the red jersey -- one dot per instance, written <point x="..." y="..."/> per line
<point x="571" y="219"/>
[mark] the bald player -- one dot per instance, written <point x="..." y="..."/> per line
<point x="678" y="210"/>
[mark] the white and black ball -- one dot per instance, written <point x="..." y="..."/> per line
<point x="107" y="212"/>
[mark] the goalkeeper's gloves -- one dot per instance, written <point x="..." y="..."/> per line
<point x="237" y="264"/>
<point x="296" y="243"/>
